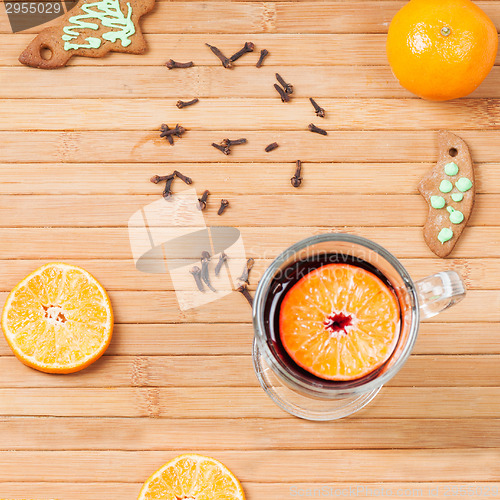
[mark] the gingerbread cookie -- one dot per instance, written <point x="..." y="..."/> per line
<point x="449" y="190"/>
<point x="91" y="29"/>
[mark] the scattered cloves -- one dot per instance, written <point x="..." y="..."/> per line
<point x="184" y="104"/>
<point x="246" y="271"/>
<point x="287" y="87"/>
<point x="174" y="64"/>
<point x="196" y="272"/>
<point x="205" y="259"/>
<point x="183" y="177"/>
<point x="248" y="47"/>
<point x="271" y="147"/>
<point x="165" y="128"/>
<point x="223" y="205"/>
<point x="263" y="54"/>
<point x="243" y="289"/>
<point x="227" y="143"/>
<point x="296" y="180"/>
<point x="284" y="96"/>
<point x="317" y="130"/>
<point x="319" y="110"/>
<point x="202" y="202"/>
<point x="220" y="263"/>
<point x="223" y="149"/>
<point x="226" y="62"/>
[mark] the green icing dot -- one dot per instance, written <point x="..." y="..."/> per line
<point x="456" y="217"/>
<point x="451" y="169"/>
<point x="438" y="202"/>
<point x="458" y="197"/>
<point x="463" y="184"/>
<point x="445" y="235"/>
<point x="446" y="186"/>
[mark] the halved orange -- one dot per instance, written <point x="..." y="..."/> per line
<point x="192" y="477"/>
<point x="339" y="322"/>
<point x="58" y="319"/>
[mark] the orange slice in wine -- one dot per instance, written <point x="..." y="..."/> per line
<point x="339" y="322"/>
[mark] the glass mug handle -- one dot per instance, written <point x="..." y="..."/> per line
<point x="439" y="292"/>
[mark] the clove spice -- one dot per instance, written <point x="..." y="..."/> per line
<point x="160" y="178"/>
<point x="196" y="272"/>
<point x="223" y="205"/>
<point x="166" y="128"/>
<point x="167" y="192"/>
<point x="184" y="104"/>
<point x="243" y="289"/>
<point x="271" y="147"/>
<point x="284" y="96"/>
<point x="319" y="110"/>
<point x="263" y="54"/>
<point x="296" y="180"/>
<point x="228" y="142"/>
<point x="220" y="263"/>
<point x="183" y="177"/>
<point x="248" y="47"/>
<point x="246" y="271"/>
<point x="287" y="87"/>
<point x="226" y="62"/>
<point x="170" y="132"/>
<point x="202" y="202"/>
<point x="225" y="145"/>
<point x="177" y="131"/>
<point x="171" y="64"/>
<point x="223" y="149"/>
<point x="317" y="130"/>
<point x="205" y="259"/>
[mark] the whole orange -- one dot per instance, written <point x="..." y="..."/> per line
<point x="441" y="49"/>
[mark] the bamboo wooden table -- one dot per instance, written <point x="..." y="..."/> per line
<point x="77" y="149"/>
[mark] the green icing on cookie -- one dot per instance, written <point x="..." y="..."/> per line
<point x="463" y="184"/>
<point x="438" y="202"/>
<point x="457" y="197"/>
<point x="451" y="169"/>
<point x="446" y="186"/>
<point x="108" y="12"/>
<point x="445" y="235"/>
<point x="456" y="216"/>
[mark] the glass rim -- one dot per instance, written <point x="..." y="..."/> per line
<point x="262" y="292"/>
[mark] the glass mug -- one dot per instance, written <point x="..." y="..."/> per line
<point x="306" y="396"/>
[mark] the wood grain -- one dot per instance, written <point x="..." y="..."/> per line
<point x="77" y="149"/>
<point x="329" y="465"/>
<point x="237" y="371"/>
<point x="372" y="16"/>
<point x="253" y="491"/>
<point x="51" y="434"/>
<point x="265" y="242"/>
<point x="246" y="114"/>
<point x="147" y="146"/>
<point x="203" y="82"/>
<point x="244" y="402"/>
<point x="229" y="179"/>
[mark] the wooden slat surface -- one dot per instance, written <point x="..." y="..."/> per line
<point x="77" y="149"/>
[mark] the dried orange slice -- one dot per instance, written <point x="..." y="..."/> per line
<point x="58" y="319"/>
<point x="339" y="322"/>
<point x="192" y="477"/>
